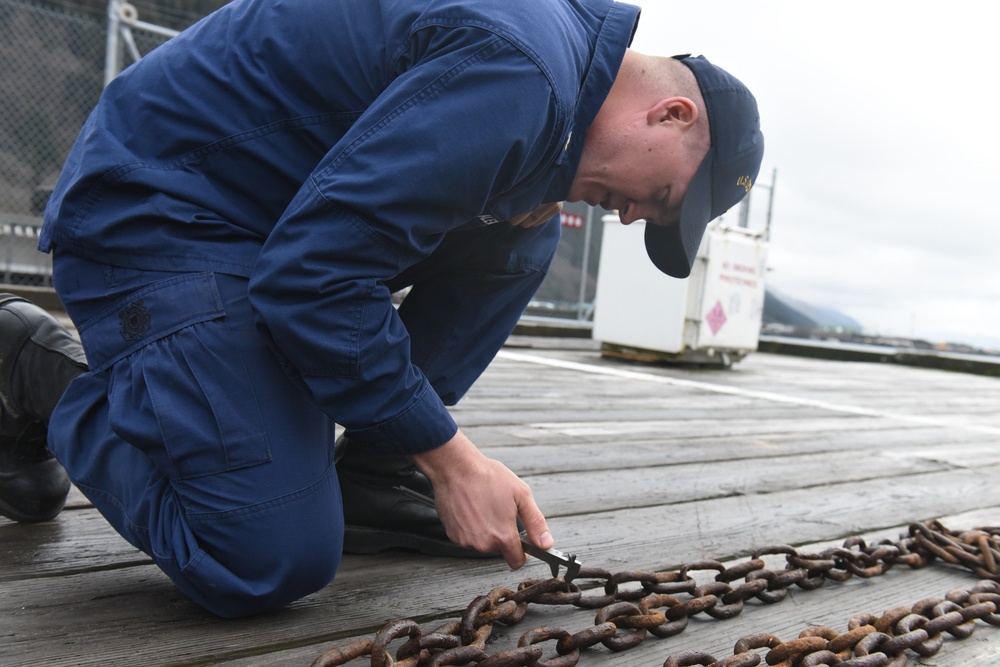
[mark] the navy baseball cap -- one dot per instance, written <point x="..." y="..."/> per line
<point x="726" y="174"/>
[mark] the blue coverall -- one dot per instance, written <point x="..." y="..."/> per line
<point x="228" y="229"/>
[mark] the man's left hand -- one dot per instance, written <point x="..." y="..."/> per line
<point x="539" y="216"/>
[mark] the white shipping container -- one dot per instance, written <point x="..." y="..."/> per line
<point x="712" y="317"/>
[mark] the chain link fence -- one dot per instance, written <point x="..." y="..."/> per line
<point x="50" y="79"/>
<point x="53" y="58"/>
<point x="569" y="289"/>
<point x="55" y="55"/>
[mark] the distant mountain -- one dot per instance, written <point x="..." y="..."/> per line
<point x="782" y="309"/>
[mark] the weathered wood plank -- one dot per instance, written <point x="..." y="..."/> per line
<point x="584" y="412"/>
<point x="81" y="540"/>
<point x="595" y="491"/>
<point x="135" y="611"/>
<point x="796" y="391"/>
<point x="634" y="474"/>
<point x="803" y="609"/>
<point x="831" y="605"/>
<point x="786" y="620"/>
<point x="78" y="540"/>
<point x="613" y="453"/>
<point x="576" y="430"/>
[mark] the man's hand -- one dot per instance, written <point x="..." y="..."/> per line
<point x="539" y="216"/>
<point x="479" y="500"/>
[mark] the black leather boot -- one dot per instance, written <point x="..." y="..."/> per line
<point x="38" y="358"/>
<point x="378" y="517"/>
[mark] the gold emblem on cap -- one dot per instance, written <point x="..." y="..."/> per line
<point x="745" y="181"/>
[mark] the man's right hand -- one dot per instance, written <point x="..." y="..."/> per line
<point x="479" y="500"/>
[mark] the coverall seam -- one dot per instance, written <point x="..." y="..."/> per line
<point x="563" y="117"/>
<point x="195" y="518"/>
<point x="431" y="89"/>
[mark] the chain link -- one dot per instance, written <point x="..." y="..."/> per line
<point x="661" y="603"/>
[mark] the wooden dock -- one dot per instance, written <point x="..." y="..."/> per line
<point x="637" y="467"/>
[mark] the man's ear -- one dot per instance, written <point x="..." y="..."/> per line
<point x="675" y="110"/>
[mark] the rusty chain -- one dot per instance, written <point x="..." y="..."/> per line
<point x="660" y="604"/>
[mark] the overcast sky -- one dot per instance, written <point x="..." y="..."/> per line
<point x="882" y="120"/>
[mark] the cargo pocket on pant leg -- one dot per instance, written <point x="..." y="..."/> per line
<point x="179" y="386"/>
